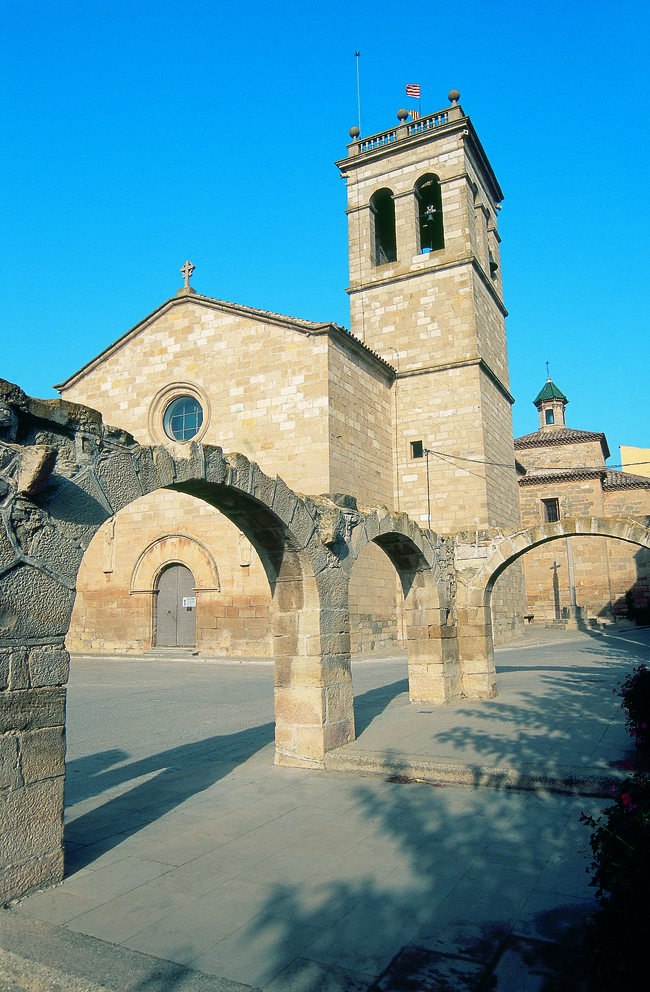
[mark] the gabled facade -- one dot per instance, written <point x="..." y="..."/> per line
<point x="303" y="399"/>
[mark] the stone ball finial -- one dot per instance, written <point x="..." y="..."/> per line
<point x="454" y="96"/>
<point x="402" y="114"/>
<point x="354" y="133"/>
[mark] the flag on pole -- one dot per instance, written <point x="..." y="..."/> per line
<point x="413" y="89"/>
<point x="414" y="114"/>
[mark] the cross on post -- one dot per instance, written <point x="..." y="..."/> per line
<point x="186" y="272"/>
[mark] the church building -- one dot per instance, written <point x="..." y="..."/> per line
<point x="410" y="409"/>
<point x="562" y="473"/>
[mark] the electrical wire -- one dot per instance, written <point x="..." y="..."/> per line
<point x="480" y="461"/>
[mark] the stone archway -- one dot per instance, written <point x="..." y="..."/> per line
<point x="66" y="475"/>
<point x="421" y="560"/>
<point x="174" y="548"/>
<point x="481" y="558"/>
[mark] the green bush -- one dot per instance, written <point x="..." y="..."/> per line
<point x="620" y="843"/>
<point x="635" y="692"/>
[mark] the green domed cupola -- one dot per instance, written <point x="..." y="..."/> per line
<point x="551" y="403"/>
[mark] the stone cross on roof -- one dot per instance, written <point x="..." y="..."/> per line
<point x="186" y="272"/>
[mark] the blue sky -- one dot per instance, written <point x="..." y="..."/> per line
<point x="139" y="134"/>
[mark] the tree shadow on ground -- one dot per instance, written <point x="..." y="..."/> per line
<point x="568" y="713"/>
<point x="436" y="888"/>
<point x="406" y="887"/>
<point x="451" y="888"/>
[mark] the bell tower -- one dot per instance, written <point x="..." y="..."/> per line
<point x="426" y="295"/>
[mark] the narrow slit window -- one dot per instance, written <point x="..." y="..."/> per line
<point x="417" y="449"/>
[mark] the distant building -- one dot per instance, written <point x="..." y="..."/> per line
<point x="562" y="473"/>
<point x="635" y="459"/>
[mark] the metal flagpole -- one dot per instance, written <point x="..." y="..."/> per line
<point x="427" y="452"/>
<point x="356" y="55"/>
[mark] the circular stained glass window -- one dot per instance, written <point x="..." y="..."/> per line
<point x="183" y="418"/>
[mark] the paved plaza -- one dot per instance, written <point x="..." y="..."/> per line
<point x="195" y="864"/>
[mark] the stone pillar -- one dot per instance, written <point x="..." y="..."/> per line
<point x="475" y="644"/>
<point x="314" y="702"/>
<point x="406" y="224"/>
<point x="32" y="767"/>
<point x="434" y="673"/>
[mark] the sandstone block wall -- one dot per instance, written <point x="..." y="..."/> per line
<point x="547" y="568"/>
<point x="581" y="455"/>
<point x="267" y="392"/>
<point x="309" y="407"/>
<point x="115" y="611"/>
<point x="32" y="766"/>
<point x="629" y="565"/>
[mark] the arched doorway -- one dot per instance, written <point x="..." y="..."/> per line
<point x="176" y="608"/>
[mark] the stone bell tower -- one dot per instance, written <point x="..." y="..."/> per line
<point x="426" y="294"/>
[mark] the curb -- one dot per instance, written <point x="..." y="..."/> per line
<point x="41" y="957"/>
<point x="568" y="780"/>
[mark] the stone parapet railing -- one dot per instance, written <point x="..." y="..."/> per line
<point x="404" y="130"/>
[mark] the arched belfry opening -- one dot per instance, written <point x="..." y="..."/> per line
<point x="429" y="206"/>
<point x="382" y="211"/>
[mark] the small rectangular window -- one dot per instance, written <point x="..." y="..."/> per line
<point x="550" y="416"/>
<point x="417" y="449"/>
<point x="550" y="510"/>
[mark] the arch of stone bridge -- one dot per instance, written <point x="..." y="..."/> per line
<point x="476" y="579"/>
<point x="419" y="558"/>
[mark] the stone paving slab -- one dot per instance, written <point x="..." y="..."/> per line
<point x="189" y="850"/>
<point x="39" y="957"/>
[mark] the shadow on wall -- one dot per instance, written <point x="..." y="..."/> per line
<point x="635" y="604"/>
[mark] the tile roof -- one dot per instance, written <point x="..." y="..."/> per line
<point x="539" y="476"/>
<point x="549" y="437"/>
<point x="625" y="480"/>
<point x="611" y="479"/>
<point x="549" y="391"/>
